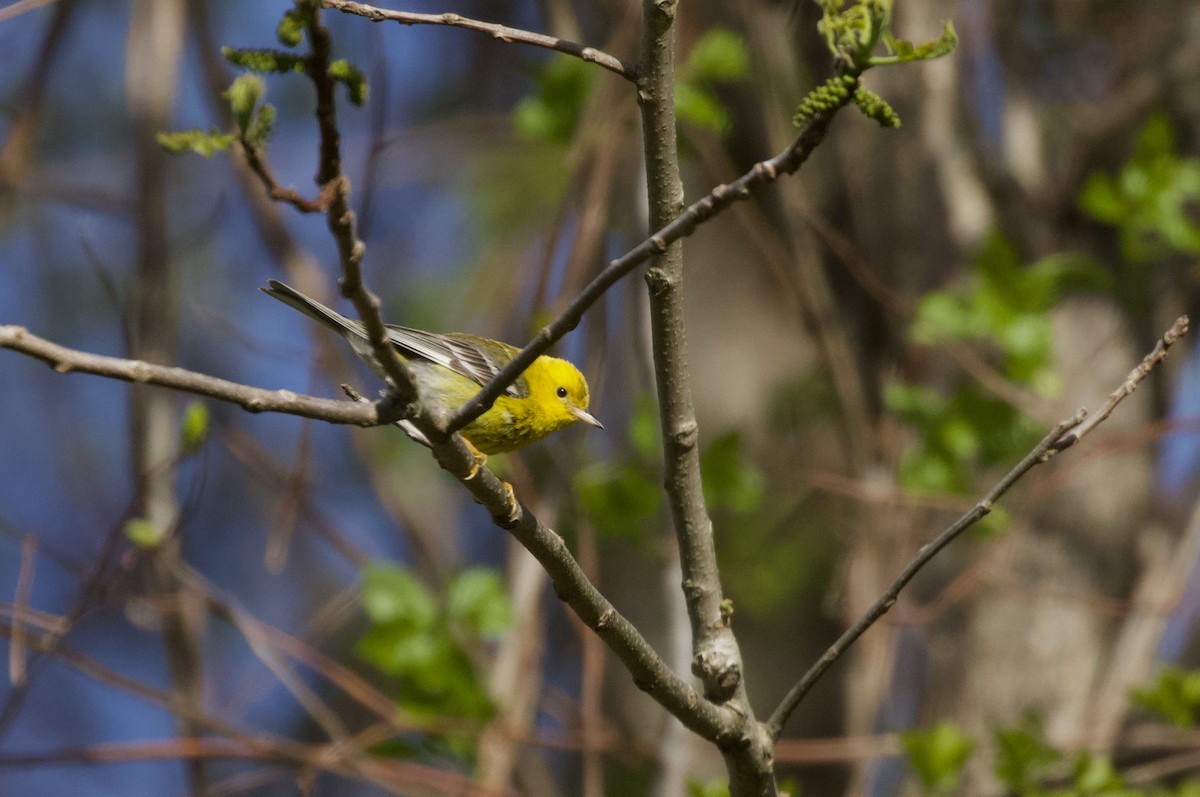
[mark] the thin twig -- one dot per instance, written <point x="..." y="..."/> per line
<point x="501" y="32"/>
<point x="16" y="647"/>
<point x="1062" y="436"/>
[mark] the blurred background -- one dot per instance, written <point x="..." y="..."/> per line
<point x="873" y="344"/>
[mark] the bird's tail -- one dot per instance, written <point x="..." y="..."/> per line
<point x="312" y="308"/>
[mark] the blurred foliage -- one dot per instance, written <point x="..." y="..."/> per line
<point x="142" y="533"/>
<point x="1025" y="763"/>
<point x="423" y="640"/>
<point x="1152" y="199"/>
<point x="551" y="113"/>
<point x="957" y="435"/>
<point x="200" y="142"/>
<point x="1005" y="303"/>
<point x="718" y="57"/>
<point x="938" y="755"/>
<point x="263" y="60"/>
<point x="194" y="427"/>
<point x="708" y="788"/>
<point x="623" y="499"/>
<point x="1023" y="758"/>
<point x="290" y="30"/>
<point x="1175" y="697"/>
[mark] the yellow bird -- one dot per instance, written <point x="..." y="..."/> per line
<point x="449" y="368"/>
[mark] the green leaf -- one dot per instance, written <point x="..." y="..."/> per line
<point x="707" y="788"/>
<point x="261" y="125"/>
<point x="391" y="594"/>
<point x="143" y="533"/>
<point x="396" y="650"/>
<point x="264" y="61"/>
<point x="1096" y="775"/>
<point x="938" y="755"/>
<point x="730" y="481"/>
<point x="1151" y="200"/>
<point x="198" y="141"/>
<point x="697" y="105"/>
<point x="619" y="500"/>
<point x="290" y="30"/>
<point x="1175" y="697"/>
<point x="193" y="430"/>
<point x="643" y="430"/>
<point x="719" y="55"/>
<point x="552" y="112"/>
<point x="905" y="51"/>
<point x="243" y="95"/>
<point x="477" y="598"/>
<point x="356" y="82"/>
<point x="1023" y="758"/>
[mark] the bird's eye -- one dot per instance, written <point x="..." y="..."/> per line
<point x="562" y="392"/>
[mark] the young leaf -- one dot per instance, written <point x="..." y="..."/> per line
<point x="193" y="430"/>
<point x="356" y="82"/>
<point x="938" y="755"/>
<point x="198" y="141"/>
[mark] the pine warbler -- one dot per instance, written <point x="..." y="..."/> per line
<point x="450" y="368"/>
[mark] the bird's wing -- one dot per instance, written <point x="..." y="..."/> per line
<point x="459" y="353"/>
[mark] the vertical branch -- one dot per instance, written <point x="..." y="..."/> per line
<point x="156" y="35"/>
<point x="716" y="659"/>
<point x="715" y="656"/>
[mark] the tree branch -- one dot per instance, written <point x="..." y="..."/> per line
<point x="649" y="672"/>
<point x="683" y="225"/>
<point x="501" y="32"/>
<point x="403" y="396"/>
<point x="253" y="399"/>
<point x="1061" y="437"/>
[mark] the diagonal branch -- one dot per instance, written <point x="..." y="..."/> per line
<point x="721" y="197"/>
<point x="501" y="32"/>
<point x="571" y="584"/>
<point x="1061" y="437"/>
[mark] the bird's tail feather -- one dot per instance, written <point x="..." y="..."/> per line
<point x="312" y="308"/>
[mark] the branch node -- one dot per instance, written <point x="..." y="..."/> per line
<point x="605" y="618"/>
<point x="687" y="435"/>
<point x="139" y="371"/>
<point x="718" y="668"/>
<point x="765" y="171"/>
<point x="658" y="282"/>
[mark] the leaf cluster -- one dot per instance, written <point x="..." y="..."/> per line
<point x="1025" y="763"/>
<point x="1152" y="200"/>
<point x="423" y="639"/>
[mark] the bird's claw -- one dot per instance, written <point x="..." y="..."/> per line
<point x="480" y="459"/>
<point x="514" y="508"/>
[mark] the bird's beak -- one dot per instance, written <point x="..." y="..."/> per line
<point x="586" y="417"/>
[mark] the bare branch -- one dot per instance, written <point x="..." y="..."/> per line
<point x="254" y="399"/>
<point x="649" y="671"/>
<point x="1062" y="436"/>
<point x="721" y="197"/>
<point x="403" y="395"/>
<point x="501" y="32"/>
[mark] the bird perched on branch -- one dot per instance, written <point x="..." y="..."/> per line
<point x="450" y="368"/>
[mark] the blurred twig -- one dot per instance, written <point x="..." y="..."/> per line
<point x="1061" y="437"/>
